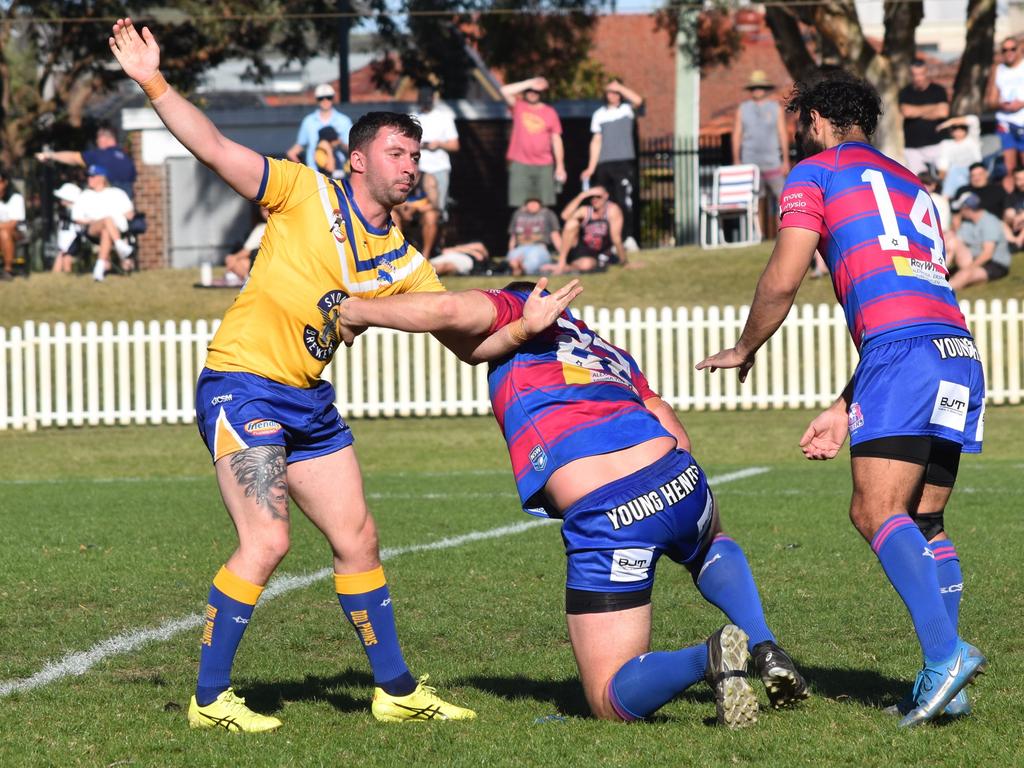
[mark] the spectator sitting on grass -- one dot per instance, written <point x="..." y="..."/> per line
<point x="532" y="234"/>
<point x="12" y="216"/>
<point x="592" y="236"/>
<point x="958" y="153"/>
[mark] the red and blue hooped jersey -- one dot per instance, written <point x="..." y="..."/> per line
<point x="881" y="237"/>
<point x="564" y="395"/>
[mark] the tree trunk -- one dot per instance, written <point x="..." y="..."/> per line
<point x="976" y="63"/>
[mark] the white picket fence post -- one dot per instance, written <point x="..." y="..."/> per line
<point x="137" y="373"/>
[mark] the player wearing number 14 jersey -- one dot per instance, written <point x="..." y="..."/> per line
<point x="916" y="400"/>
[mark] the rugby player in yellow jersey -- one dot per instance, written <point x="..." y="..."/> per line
<point x="268" y="419"/>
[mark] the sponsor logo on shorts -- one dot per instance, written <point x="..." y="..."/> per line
<point x="221" y="399"/>
<point x="950" y="409"/>
<point x="631" y="564"/>
<point x="538" y="458"/>
<point x="323" y="341"/>
<point x="262" y="427"/>
<point x="856" y="417"/>
<point x="956" y="346"/>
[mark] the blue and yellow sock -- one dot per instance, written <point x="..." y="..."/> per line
<point x="951" y="579"/>
<point x="909" y="563"/>
<point x="646" y="683"/>
<point x="366" y="601"/>
<point x="228" y="611"/>
<point x="724" y="579"/>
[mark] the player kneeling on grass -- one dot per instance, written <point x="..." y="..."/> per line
<point x="592" y="445"/>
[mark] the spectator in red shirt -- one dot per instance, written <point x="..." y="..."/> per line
<point x="535" y="152"/>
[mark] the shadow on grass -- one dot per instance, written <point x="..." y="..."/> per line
<point x="566" y="696"/>
<point x="268" y="697"/>
<point x="857" y="686"/>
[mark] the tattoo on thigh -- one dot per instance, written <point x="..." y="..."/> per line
<point x="261" y="471"/>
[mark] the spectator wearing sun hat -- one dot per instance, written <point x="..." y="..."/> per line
<point x="68" y="232"/>
<point x="760" y="137"/>
<point x="309" y="130"/>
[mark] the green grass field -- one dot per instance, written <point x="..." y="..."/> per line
<point x="111" y="531"/>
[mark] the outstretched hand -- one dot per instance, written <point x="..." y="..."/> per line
<point x="825" y="435"/>
<point x="541" y="311"/>
<point x="729" y="358"/>
<point x="138" y="54"/>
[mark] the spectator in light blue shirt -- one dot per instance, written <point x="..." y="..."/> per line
<point x="309" y="130"/>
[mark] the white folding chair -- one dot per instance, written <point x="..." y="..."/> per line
<point x="733" y="196"/>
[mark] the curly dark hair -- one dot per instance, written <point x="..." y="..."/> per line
<point x="843" y="99"/>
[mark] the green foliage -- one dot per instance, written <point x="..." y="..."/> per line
<point x="66" y="41"/>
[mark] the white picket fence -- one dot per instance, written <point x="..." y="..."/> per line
<point x="144" y="373"/>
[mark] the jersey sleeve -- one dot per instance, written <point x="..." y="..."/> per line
<point x="507" y="305"/>
<point x="423" y="279"/>
<point x="282" y="181"/>
<point x="803" y="200"/>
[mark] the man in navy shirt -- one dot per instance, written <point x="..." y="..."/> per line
<point x="107" y="154"/>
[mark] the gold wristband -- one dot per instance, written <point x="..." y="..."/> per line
<point x="518" y="331"/>
<point x="155" y="87"/>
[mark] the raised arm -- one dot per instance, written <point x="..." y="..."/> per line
<point x="65" y="157"/>
<point x="510" y="91"/>
<point x="139" y="57"/>
<point x="634" y="98"/>
<point x="775" y="292"/>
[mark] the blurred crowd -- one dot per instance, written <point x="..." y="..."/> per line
<point x="975" y="181"/>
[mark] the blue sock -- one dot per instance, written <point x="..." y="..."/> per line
<point x="228" y="611"/>
<point x="645" y="683"/>
<point x="951" y="580"/>
<point x="724" y="579"/>
<point x="909" y="563"/>
<point x="366" y="601"/>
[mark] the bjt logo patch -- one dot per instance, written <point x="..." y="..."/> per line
<point x="631" y="564"/>
<point x="950" y="409"/>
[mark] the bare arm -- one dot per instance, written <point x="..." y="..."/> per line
<point x="558" y="150"/>
<point x="773" y="298"/>
<point x="783" y="129"/>
<point x="510" y="91"/>
<point x="139" y="57"/>
<point x="460" y="320"/>
<point x="938" y="111"/>
<point x="669" y="420"/>
<point x="294" y="153"/>
<point x="595" y="152"/>
<point x="987" y="250"/>
<point x="65" y="157"/>
<point x="737" y="138"/>
<point x="573" y="205"/>
<point x="628" y="94"/>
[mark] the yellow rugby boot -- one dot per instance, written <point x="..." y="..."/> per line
<point x="229" y="712"/>
<point x="421" y="704"/>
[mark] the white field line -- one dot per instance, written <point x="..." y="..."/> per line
<point x="75" y="664"/>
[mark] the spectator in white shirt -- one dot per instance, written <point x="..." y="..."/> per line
<point x="12" y="216"/>
<point x="439" y="138"/>
<point x="104" y="211"/>
<point x="958" y="153"/>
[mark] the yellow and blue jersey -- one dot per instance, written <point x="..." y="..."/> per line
<point x="317" y="250"/>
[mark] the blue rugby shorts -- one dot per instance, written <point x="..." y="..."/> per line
<point x="615" y="535"/>
<point x="927" y="385"/>
<point x="235" y="411"/>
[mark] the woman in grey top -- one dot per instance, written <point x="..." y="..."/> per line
<point x="760" y="137"/>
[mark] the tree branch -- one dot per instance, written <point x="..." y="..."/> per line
<point x="789" y="41"/>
